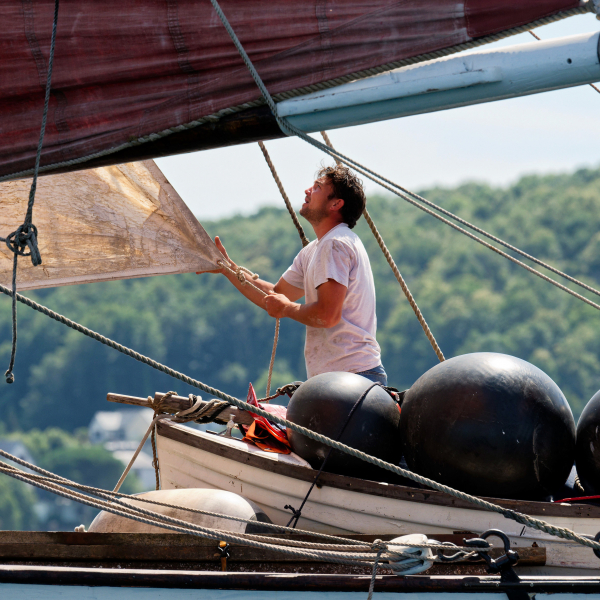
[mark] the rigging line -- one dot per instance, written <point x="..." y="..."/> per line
<point x="474" y="43"/>
<point x="240" y="273"/>
<point x="397" y="274"/>
<point x="379" y="179"/>
<point x="25" y="236"/>
<point x="508" y="513"/>
<point x="298" y="513"/>
<point x="273" y="352"/>
<point x="288" y="204"/>
<point x="159" y="520"/>
<point x="118" y="497"/>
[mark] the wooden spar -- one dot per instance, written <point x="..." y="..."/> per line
<point x="174" y="404"/>
<point x="464" y="80"/>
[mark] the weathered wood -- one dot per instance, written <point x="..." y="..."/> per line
<point x="52" y="547"/>
<point x="171" y="405"/>
<point x="174" y="404"/>
<point x="192" y="553"/>
<point x="289" y="581"/>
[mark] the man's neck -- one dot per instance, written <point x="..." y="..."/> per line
<point x="324" y="227"/>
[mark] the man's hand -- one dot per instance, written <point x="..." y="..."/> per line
<point x="222" y="250"/>
<point x="276" y="305"/>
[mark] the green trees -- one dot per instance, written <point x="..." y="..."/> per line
<point x="473" y="300"/>
<point x="68" y="455"/>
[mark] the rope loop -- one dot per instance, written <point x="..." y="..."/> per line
<point x="379" y="545"/>
<point x="25" y="236"/>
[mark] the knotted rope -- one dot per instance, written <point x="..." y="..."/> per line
<point x="199" y="411"/>
<point x="396" y="271"/>
<point x="25" y="236"/>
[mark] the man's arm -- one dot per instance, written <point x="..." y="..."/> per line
<point x="283" y="287"/>
<point x="326" y="312"/>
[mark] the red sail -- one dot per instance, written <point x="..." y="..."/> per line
<point x="128" y="69"/>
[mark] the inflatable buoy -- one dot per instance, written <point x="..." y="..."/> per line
<point x="587" y="452"/>
<point x="217" y="501"/>
<point x="491" y="425"/>
<point x="323" y="404"/>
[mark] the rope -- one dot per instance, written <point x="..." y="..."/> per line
<point x="214" y="117"/>
<point x="136" y="453"/>
<point x="397" y="274"/>
<point x="166" y="522"/>
<point x="288" y="204"/>
<point x="347" y="543"/>
<point x="508" y="513"/>
<point x="374" y="573"/>
<point x="25" y="236"/>
<point x="290" y="129"/>
<point x="240" y="273"/>
<point x="118" y="496"/>
<point x="348" y="555"/>
<point x="272" y="361"/>
<point x="158" y="407"/>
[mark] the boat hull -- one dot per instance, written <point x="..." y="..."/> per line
<point x="190" y="458"/>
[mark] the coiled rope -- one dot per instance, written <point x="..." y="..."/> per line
<point x="561" y="532"/>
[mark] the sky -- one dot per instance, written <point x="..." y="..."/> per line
<point x="496" y="142"/>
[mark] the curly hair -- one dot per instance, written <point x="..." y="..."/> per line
<point x="348" y="187"/>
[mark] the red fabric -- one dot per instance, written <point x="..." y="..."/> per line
<point x="124" y="69"/>
<point x="578" y="499"/>
<point x="484" y="17"/>
<point x="264" y="434"/>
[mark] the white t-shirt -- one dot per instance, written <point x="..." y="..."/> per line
<point x="350" y="345"/>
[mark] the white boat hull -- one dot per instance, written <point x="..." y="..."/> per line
<point x="209" y="463"/>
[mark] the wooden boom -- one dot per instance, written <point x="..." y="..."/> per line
<point x="175" y="404"/>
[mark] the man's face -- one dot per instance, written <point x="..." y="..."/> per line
<point x="316" y="201"/>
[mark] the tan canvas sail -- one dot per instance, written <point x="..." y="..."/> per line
<point x="109" y="223"/>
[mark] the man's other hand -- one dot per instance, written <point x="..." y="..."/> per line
<point x="276" y="305"/>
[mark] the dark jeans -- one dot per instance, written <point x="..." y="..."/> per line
<point x="377" y="375"/>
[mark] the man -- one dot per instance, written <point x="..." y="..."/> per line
<point x="334" y="274"/>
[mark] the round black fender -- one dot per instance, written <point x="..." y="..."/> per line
<point x="491" y="425"/>
<point x="323" y="404"/>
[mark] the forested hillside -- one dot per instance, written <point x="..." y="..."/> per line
<point x="473" y="299"/>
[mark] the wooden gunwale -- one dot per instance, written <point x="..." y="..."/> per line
<point x="54" y="548"/>
<point x="187" y="436"/>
